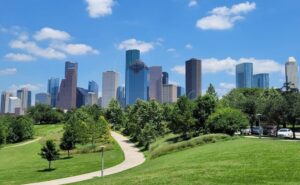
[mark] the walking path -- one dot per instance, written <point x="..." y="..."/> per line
<point x="133" y="157"/>
<point x="25" y="143"/>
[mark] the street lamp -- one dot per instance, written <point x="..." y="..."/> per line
<point x="260" y="130"/>
<point x="102" y="160"/>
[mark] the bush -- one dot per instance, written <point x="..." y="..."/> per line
<point x="227" y="120"/>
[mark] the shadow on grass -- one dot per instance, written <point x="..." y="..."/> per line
<point x="66" y="158"/>
<point x="47" y="170"/>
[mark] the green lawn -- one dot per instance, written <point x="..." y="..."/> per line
<point x="239" y="161"/>
<point x="22" y="164"/>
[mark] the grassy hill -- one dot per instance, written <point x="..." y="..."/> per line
<point x="22" y="164"/>
<point x="238" y="161"/>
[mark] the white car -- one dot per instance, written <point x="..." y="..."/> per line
<point x="285" y="132"/>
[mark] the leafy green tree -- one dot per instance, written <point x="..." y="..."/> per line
<point x="99" y="130"/>
<point x="115" y="115"/>
<point x="44" y="114"/>
<point x="49" y="152"/>
<point x="211" y="91"/>
<point x="183" y="121"/>
<point x="227" y="120"/>
<point x="20" y="128"/>
<point x="68" y="141"/>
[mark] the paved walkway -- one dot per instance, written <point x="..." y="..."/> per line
<point x="25" y="143"/>
<point x="133" y="157"/>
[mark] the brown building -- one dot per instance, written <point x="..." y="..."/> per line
<point x="66" y="98"/>
<point x="155" y="86"/>
<point x="193" y="78"/>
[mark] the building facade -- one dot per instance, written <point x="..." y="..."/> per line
<point x="91" y="99"/>
<point x="110" y="81"/>
<point x="169" y="93"/>
<point x="180" y="91"/>
<point x="155" y="84"/>
<point x="43" y="98"/>
<point x="291" y="73"/>
<point x="25" y="97"/>
<point x="14" y="106"/>
<point x="165" y="78"/>
<point x="243" y="75"/>
<point x="66" y="98"/>
<point x="53" y="87"/>
<point x="121" y="96"/>
<point x="193" y="78"/>
<point x="81" y="95"/>
<point x="261" y="81"/>
<point x="5" y="101"/>
<point x="93" y="87"/>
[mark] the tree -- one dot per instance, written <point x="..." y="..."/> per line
<point x="44" y="114"/>
<point x="68" y="141"/>
<point x="211" y="91"/>
<point x="114" y="114"/>
<point x="183" y="121"/>
<point x="227" y="120"/>
<point x="20" y="128"/>
<point x="49" y="152"/>
<point x="99" y="130"/>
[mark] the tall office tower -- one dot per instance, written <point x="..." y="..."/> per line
<point x="291" y="73"/>
<point x="91" y="99"/>
<point x="180" y="91"/>
<point x="193" y="78"/>
<point x="131" y="57"/>
<point x="169" y="93"/>
<point x="66" y="98"/>
<point x="138" y="82"/>
<point x="25" y="96"/>
<point x="13" y="104"/>
<point x="100" y="101"/>
<point x="93" y="87"/>
<point x="121" y="96"/>
<point x="155" y="85"/>
<point x="5" y="101"/>
<point x="81" y="95"/>
<point x="261" y="81"/>
<point x="165" y="77"/>
<point x="53" y="87"/>
<point x="243" y="75"/>
<point x="42" y="98"/>
<point x="110" y="81"/>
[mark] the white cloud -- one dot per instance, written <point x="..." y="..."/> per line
<point x="31" y="87"/>
<point x="188" y="46"/>
<point x="171" y="50"/>
<point x="192" y="3"/>
<point x="223" y="18"/>
<point x="227" y="85"/>
<point x="51" y="34"/>
<point x="19" y="57"/>
<point x="99" y="8"/>
<point x="75" y="49"/>
<point x="213" y="65"/>
<point x="8" y="71"/>
<point x="224" y="88"/>
<point x="32" y="48"/>
<point x="135" y="44"/>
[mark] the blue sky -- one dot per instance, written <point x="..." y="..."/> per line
<point x="37" y="37"/>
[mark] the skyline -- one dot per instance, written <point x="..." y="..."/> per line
<point x="104" y="40"/>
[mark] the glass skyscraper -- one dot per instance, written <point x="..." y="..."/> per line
<point x="42" y="98"/>
<point x="93" y="87"/>
<point x="193" y="78"/>
<point x="155" y="84"/>
<point x="244" y="74"/>
<point x="53" y="87"/>
<point x="165" y="78"/>
<point x="261" y="81"/>
<point x="121" y="96"/>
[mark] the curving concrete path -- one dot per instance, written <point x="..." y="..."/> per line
<point x="22" y="144"/>
<point x="133" y="157"/>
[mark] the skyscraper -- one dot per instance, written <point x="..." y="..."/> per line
<point x="291" y="73"/>
<point x="53" y="87"/>
<point x="244" y="74"/>
<point x="169" y="93"/>
<point x="261" y="81"/>
<point x="138" y="77"/>
<point x="91" y="98"/>
<point x="25" y="97"/>
<point x="14" y="103"/>
<point x="180" y="91"/>
<point x="165" y="77"/>
<point x="42" y="98"/>
<point x="193" y="79"/>
<point x="110" y="81"/>
<point x="131" y="56"/>
<point x="5" y="101"/>
<point x="81" y="95"/>
<point x="155" y="85"/>
<point x="93" y="87"/>
<point x="121" y="96"/>
<point x="66" y="98"/>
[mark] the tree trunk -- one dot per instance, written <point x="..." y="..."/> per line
<point x="49" y="165"/>
<point x="294" y="134"/>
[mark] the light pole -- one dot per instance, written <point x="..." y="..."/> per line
<point x="102" y="160"/>
<point x="260" y="130"/>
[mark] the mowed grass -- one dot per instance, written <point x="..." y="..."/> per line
<point x="22" y="164"/>
<point x="239" y="161"/>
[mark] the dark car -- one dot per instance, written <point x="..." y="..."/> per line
<point x="256" y="130"/>
<point x="270" y="130"/>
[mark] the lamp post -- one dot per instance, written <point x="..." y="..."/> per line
<point x="102" y="160"/>
<point x="260" y="130"/>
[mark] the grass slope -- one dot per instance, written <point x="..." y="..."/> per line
<point x="22" y="164"/>
<point x="239" y="161"/>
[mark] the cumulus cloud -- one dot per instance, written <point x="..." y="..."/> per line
<point x="227" y="85"/>
<point x="222" y="18"/>
<point x="31" y="87"/>
<point x="8" y="71"/>
<point x="99" y="8"/>
<point x="20" y="57"/>
<point x="192" y="3"/>
<point x="213" y="65"/>
<point x="51" y="34"/>
<point x="224" y="88"/>
<point x="136" y="44"/>
<point x="75" y="49"/>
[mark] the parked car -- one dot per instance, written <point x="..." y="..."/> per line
<point x="246" y="131"/>
<point x="256" y="130"/>
<point x="270" y="130"/>
<point x="285" y="132"/>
